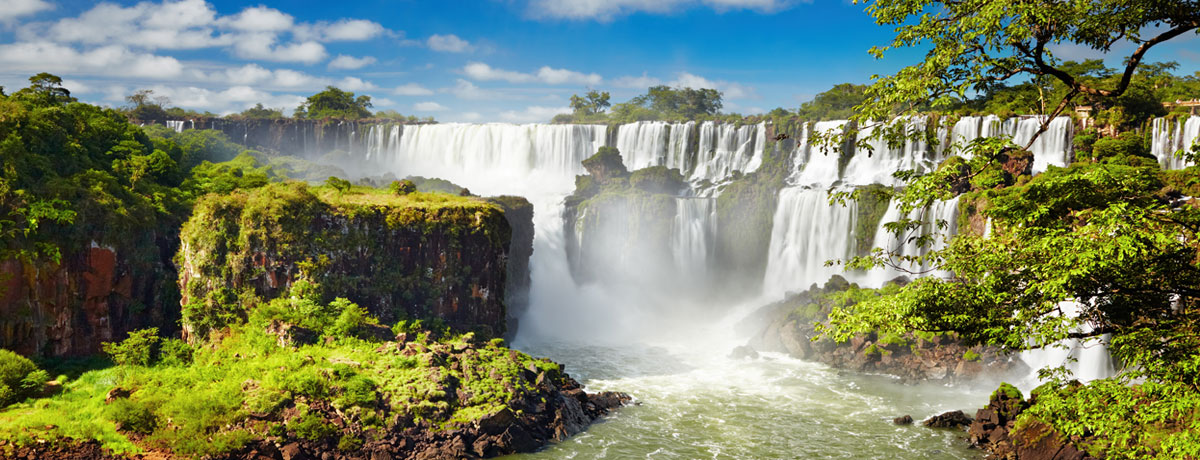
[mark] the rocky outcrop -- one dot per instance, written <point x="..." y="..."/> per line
<point x="398" y="257"/>
<point x="789" y="326"/>
<point x="518" y="212"/>
<point x="95" y="294"/>
<point x="995" y="430"/>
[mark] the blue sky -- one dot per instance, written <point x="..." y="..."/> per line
<point x="489" y="60"/>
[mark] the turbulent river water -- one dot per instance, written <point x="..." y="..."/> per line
<point x="694" y="402"/>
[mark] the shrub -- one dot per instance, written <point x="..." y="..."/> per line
<point x="175" y="352"/>
<point x="311" y="426"/>
<point x="402" y="187"/>
<point x="139" y="349"/>
<point x="132" y="416"/>
<point x="339" y="184"/>
<point x="19" y="378"/>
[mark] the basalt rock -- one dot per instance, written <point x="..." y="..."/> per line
<point x="95" y="294"/>
<point x="396" y="257"/>
<point x="952" y="419"/>
<point x="995" y="431"/>
<point x="789" y="326"/>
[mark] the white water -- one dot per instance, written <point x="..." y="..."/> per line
<point x="808" y="231"/>
<point x="815" y="161"/>
<point x="939" y="221"/>
<point x="1169" y="137"/>
<point x="691" y="240"/>
<point x="875" y="165"/>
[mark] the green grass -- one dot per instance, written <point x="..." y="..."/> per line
<point x="246" y="386"/>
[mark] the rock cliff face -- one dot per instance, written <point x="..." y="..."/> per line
<point x="93" y="295"/>
<point x="417" y="256"/>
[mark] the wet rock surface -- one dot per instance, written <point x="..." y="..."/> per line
<point x="995" y="431"/>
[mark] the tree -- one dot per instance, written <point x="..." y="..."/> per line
<point x="146" y="107"/>
<point x="335" y="103"/>
<point x="1099" y="248"/>
<point x="46" y="89"/>
<point x="592" y="103"/>
<point x="261" y="112"/>
<point x="682" y="103"/>
<point x="835" y="104"/>
<point x="976" y="46"/>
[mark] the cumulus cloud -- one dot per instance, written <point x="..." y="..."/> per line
<point x="355" y="84"/>
<point x="345" y="62"/>
<point x="110" y="60"/>
<point x="263" y="47"/>
<point x="254" y="33"/>
<point x="448" y="43"/>
<point x="429" y="107"/>
<point x="412" y="89"/>
<point x="532" y="114"/>
<point x="606" y="10"/>
<point x="551" y="76"/>
<point x="561" y="76"/>
<point x="14" y="9"/>
<point x="260" y="19"/>
<point x="484" y="72"/>
<point x="463" y="89"/>
<point x="343" y="30"/>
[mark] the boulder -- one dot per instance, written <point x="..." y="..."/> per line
<point x="903" y="420"/>
<point x="952" y="419"/>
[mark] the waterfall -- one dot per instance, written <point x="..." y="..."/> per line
<point x="486" y="154"/>
<point x="876" y="165"/>
<point x="1170" y="136"/>
<point x="807" y="231"/>
<point x="644" y="144"/>
<point x="691" y="239"/>
<point x="725" y="148"/>
<point x="178" y="125"/>
<point x="1053" y="147"/>
<point x="816" y="164"/>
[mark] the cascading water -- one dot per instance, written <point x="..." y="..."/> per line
<point x="177" y="125"/>
<point x="1170" y="136"/>
<point x="1086" y="359"/>
<point x="724" y="148"/>
<point x="694" y="228"/>
<point x="876" y="164"/>
<point x="807" y="231"/>
<point x="815" y="160"/>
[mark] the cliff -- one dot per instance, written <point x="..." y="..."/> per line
<point x="417" y="256"/>
<point x="93" y="295"/>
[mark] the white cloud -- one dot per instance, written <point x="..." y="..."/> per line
<point x="532" y="114"/>
<point x="466" y="90"/>
<point x="107" y="60"/>
<point x="262" y="46"/>
<point x="448" y="43"/>
<point x="350" y="62"/>
<point x="248" y="74"/>
<point x="728" y="89"/>
<point x="355" y="84"/>
<point x="429" y="107"/>
<point x="185" y="24"/>
<point x="412" y="89"/>
<point x="632" y="82"/>
<point x="76" y="87"/>
<point x="293" y="79"/>
<point x="484" y="72"/>
<point x="16" y="8"/>
<point x="352" y="30"/>
<point x="561" y="76"/>
<point x="260" y="19"/>
<point x="606" y="10"/>
<point x="546" y="74"/>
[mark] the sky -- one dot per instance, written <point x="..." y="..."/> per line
<point x="473" y="61"/>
